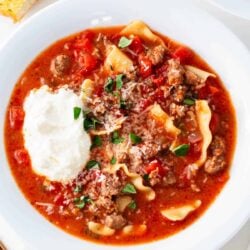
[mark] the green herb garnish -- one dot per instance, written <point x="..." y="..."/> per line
<point x="93" y="164"/>
<point x="181" y="150"/>
<point x="119" y="81"/>
<point x="189" y="101"/>
<point x="113" y="161"/>
<point x="146" y="177"/>
<point x="132" y="205"/>
<point x="123" y="104"/>
<point x="129" y="189"/>
<point x="90" y="123"/>
<point x="135" y="139"/>
<point x="96" y="142"/>
<point x="80" y="202"/>
<point x="109" y="86"/>
<point x="124" y="42"/>
<point x="115" y="138"/>
<point x="77" y="112"/>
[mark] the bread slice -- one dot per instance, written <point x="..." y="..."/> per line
<point x="15" y="8"/>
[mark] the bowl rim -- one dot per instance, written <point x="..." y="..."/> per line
<point x="228" y="232"/>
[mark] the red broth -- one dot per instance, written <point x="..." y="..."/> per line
<point x="74" y="221"/>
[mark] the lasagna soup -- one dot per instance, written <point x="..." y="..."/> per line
<point x="120" y="135"/>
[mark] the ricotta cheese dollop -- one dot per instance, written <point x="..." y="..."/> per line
<point x="57" y="143"/>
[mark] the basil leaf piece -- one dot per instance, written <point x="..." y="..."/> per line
<point x="119" y="81"/>
<point x="77" y="112"/>
<point x="109" y="86"/>
<point x="135" y="139"/>
<point x="93" y="164"/>
<point x="96" y="142"/>
<point x="80" y="202"/>
<point x="181" y="150"/>
<point x="90" y="123"/>
<point x="132" y="205"/>
<point x="129" y="189"/>
<point x="189" y="101"/>
<point x="124" y="42"/>
<point x="115" y="138"/>
<point x="113" y="161"/>
<point x="123" y="104"/>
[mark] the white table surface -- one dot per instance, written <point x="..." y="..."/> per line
<point x="240" y="27"/>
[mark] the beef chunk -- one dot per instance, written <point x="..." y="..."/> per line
<point x="175" y="72"/>
<point x="156" y="54"/>
<point x="176" y="110"/>
<point x="154" y="177"/>
<point x="115" y="221"/>
<point x="179" y="93"/>
<point x="218" y="146"/>
<point x="169" y="179"/>
<point x="214" y="164"/>
<point x="60" y="65"/>
<point x="193" y="79"/>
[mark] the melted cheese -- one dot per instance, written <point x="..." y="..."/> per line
<point x="57" y="144"/>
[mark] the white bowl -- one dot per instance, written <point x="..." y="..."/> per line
<point x="24" y="227"/>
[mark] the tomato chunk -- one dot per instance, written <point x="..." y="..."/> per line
<point x="136" y="45"/>
<point x="145" y="66"/>
<point x="155" y="164"/>
<point x="184" y="54"/>
<point x="21" y="156"/>
<point x="214" y="123"/>
<point x="16" y="117"/>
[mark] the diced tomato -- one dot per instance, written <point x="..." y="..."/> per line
<point x="21" y="156"/>
<point x="88" y="63"/>
<point x="213" y="90"/>
<point x="162" y="69"/>
<point x="145" y="66"/>
<point x="136" y="45"/>
<point x="158" y="81"/>
<point x="203" y="92"/>
<point x="16" y="117"/>
<point x="84" y="42"/>
<point x="155" y="164"/>
<point x="214" y="123"/>
<point x="184" y="54"/>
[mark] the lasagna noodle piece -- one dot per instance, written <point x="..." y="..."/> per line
<point x="135" y="179"/>
<point x="117" y="61"/>
<point x="134" y="230"/>
<point x="200" y="73"/>
<point x="139" y="28"/>
<point x="203" y="114"/>
<point x="100" y="229"/>
<point x="122" y="202"/>
<point x="86" y="90"/>
<point x="15" y="8"/>
<point x="161" y="116"/>
<point x="180" y="213"/>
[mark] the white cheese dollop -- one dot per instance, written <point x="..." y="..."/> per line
<point x="57" y="143"/>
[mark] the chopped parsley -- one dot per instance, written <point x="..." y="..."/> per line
<point x="132" y="205"/>
<point x="90" y="123"/>
<point x="115" y="138"/>
<point x="129" y="189"/>
<point x="119" y="81"/>
<point x="135" y="139"/>
<point x="80" y="202"/>
<point x="93" y="164"/>
<point x="113" y="161"/>
<point x="189" y="101"/>
<point x="109" y="86"/>
<point x="181" y="150"/>
<point x="77" y="112"/>
<point x="124" y="42"/>
<point x="96" y="142"/>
